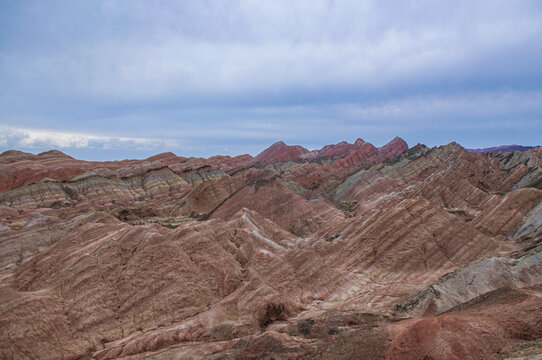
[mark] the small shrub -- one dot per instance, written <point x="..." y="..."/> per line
<point x="332" y="238"/>
<point x="304" y="326"/>
<point x="457" y="212"/>
<point x="536" y="184"/>
<point x="56" y="205"/>
<point x="70" y="192"/>
<point x="123" y="215"/>
<point x="272" y="312"/>
<point x="198" y="217"/>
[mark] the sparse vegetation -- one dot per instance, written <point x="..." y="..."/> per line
<point x="304" y="326"/>
<point x="70" y="192"/>
<point x="347" y="206"/>
<point x="198" y="217"/>
<point x="536" y="184"/>
<point x="20" y="257"/>
<point x="271" y="313"/>
<point x="56" y="205"/>
<point x="331" y="238"/>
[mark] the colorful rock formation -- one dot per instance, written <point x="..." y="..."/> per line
<point x="347" y="252"/>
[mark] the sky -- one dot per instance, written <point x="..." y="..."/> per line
<point x="104" y="80"/>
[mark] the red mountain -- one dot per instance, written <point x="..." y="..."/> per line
<point x="279" y="152"/>
<point x="347" y="252"/>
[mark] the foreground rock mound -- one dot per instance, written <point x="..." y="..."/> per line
<point x="346" y="252"/>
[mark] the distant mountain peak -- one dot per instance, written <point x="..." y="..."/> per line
<point x="280" y="152"/>
<point x="53" y="153"/>
<point x="395" y="147"/>
<point x="502" y="148"/>
<point x="359" y="142"/>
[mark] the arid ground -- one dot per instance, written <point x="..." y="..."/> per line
<point x="347" y="252"/>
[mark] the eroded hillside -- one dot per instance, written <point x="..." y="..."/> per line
<point x="347" y="252"/>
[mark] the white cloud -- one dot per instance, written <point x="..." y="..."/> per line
<point x="273" y="46"/>
<point x="18" y="138"/>
<point x="197" y="72"/>
<point x="461" y="107"/>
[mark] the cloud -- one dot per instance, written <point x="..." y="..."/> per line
<point x="198" y="77"/>
<point x="11" y="137"/>
<point x="207" y="131"/>
<point x="273" y="47"/>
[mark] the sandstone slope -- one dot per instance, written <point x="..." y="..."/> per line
<point x="347" y="252"/>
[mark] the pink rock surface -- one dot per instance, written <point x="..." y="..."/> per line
<point x="348" y="252"/>
<point x="279" y="152"/>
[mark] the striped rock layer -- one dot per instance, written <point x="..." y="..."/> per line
<point x="347" y="252"/>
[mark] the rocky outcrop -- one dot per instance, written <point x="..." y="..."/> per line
<point x="395" y="147"/>
<point x="279" y="152"/>
<point x="361" y="153"/>
<point x="98" y="189"/>
<point x="528" y="164"/>
<point x="18" y="168"/>
<point x="474" y="280"/>
<point x="329" y="152"/>
<point x="330" y="166"/>
<point x="486" y="327"/>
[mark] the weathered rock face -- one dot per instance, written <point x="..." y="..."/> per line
<point x="395" y="147"/>
<point x="360" y="153"/>
<point x="152" y="184"/>
<point x="279" y="152"/>
<point x="347" y="252"/>
<point x="528" y="164"/>
<point x="18" y="168"/>
<point x="329" y="152"/>
<point x="322" y="170"/>
<point x="478" y="329"/>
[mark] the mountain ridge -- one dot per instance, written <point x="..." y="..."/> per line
<point x="503" y="148"/>
<point x="291" y="254"/>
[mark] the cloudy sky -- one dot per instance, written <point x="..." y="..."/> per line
<point x="129" y="79"/>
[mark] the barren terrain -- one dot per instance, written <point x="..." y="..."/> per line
<point x="347" y="252"/>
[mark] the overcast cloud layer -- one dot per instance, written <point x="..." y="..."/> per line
<point x="114" y="79"/>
